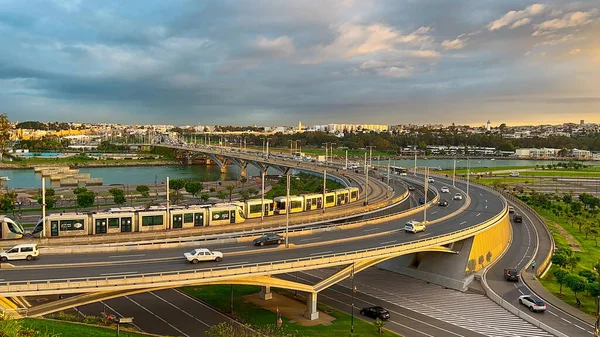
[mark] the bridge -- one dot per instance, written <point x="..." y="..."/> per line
<point x="460" y="240"/>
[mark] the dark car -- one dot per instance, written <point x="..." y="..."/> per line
<point x="375" y="312"/>
<point x="411" y="188"/>
<point x="268" y="239"/>
<point x="421" y="201"/>
<point x="518" y="218"/>
<point x="511" y="274"/>
<point x="443" y="203"/>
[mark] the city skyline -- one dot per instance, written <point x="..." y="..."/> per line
<point x="274" y="63"/>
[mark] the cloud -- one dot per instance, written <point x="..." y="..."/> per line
<point x="574" y="19"/>
<point x="279" y="47"/>
<point x="68" y="5"/>
<point x="454" y="44"/>
<point x="575" y="51"/>
<point x="516" y="18"/>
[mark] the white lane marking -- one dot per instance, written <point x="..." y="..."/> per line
<point x="566" y="320"/>
<point x="371" y="229"/>
<point x="464" y="222"/>
<point x="228" y="248"/>
<point x="485" y="206"/>
<point x="310" y="239"/>
<point x="481" y="195"/>
<point x="433" y="212"/>
<point x="551" y="313"/>
<point x="424" y="234"/>
<point x="1" y="279"/>
<point x="117" y="256"/>
<point x="478" y="214"/>
<point x="178" y="308"/>
<point x="160" y="318"/>
<point x="485" y="200"/>
<point x="229" y="264"/>
<point x="579" y="327"/>
<point x="118" y="313"/>
<point x="120" y="273"/>
<point x="388" y="242"/>
<point x="322" y="253"/>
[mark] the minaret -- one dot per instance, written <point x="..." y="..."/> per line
<point x="488" y="126"/>
<point x="299" y="126"/>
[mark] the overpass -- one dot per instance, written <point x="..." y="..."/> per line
<point x="454" y="246"/>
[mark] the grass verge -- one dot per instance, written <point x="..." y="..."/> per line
<point x="219" y="296"/>
<point x="70" y="329"/>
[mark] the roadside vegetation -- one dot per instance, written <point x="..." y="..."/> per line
<point x="302" y="183"/>
<point x="253" y="316"/>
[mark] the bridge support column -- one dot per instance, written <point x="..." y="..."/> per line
<point x="265" y="293"/>
<point x="243" y="173"/>
<point x="223" y="168"/>
<point x="311" y="312"/>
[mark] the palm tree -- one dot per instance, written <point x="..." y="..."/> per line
<point x="230" y="188"/>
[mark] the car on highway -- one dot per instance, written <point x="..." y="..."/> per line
<point x="421" y="201"/>
<point x="203" y="254"/>
<point x="375" y="312"/>
<point x="517" y="218"/>
<point x="27" y="252"/>
<point x="411" y="188"/>
<point x="269" y="239"/>
<point x="443" y="203"/>
<point x="532" y="303"/>
<point x="457" y="196"/>
<point x="414" y="226"/>
<point x="431" y="180"/>
<point x="511" y="274"/>
<point x="403" y="173"/>
<point x="511" y="209"/>
<point x="445" y="189"/>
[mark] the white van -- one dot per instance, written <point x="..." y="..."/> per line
<point x="514" y="174"/>
<point x="414" y="227"/>
<point x="20" y="252"/>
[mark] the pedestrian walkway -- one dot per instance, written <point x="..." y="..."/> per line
<point x="470" y="311"/>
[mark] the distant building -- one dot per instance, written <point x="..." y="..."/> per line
<point x="581" y="122"/>
<point x="488" y="126"/>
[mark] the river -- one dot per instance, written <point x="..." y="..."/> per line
<point x="157" y="174"/>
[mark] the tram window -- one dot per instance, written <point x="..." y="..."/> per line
<point x="255" y="208"/>
<point x="152" y="220"/>
<point x="296" y="204"/>
<point x="113" y="223"/>
<point x="329" y="199"/>
<point x="188" y="217"/>
<point x="353" y="194"/>
<point x="220" y="215"/>
<point x="241" y="214"/>
<point x="12" y="227"/>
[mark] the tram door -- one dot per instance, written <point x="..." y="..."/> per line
<point x="100" y="226"/>
<point x="232" y="216"/>
<point x="126" y="224"/>
<point x="177" y="221"/>
<point x="53" y="228"/>
<point x="198" y="219"/>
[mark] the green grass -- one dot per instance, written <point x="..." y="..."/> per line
<point x="559" y="173"/>
<point x="487" y="169"/>
<point x="65" y="329"/>
<point x="219" y="296"/>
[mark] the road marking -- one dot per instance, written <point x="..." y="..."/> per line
<point x="121" y="273"/>
<point x="178" y="308"/>
<point x="464" y="222"/>
<point x="310" y="239"/>
<point x="424" y="234"/>
<point x="385" y="243"/>
<point x="227" y="248"/>
<point x="117" y="256"/>
<point x="160" y="318"/>
<point x="433" y="212"/>
<point x="486" y="206"/>
<point x="550" y="312"/>
<point x="371" y="229"/>
<point x="485" y="200"/>
<point x="322" y="253"/>
<point x="229" y="264"/>
<point x="579" y="327"/>
<point x="481" y="195"/>
<point x="478" y="214"/>
<point x="566" y="320"/>
<point x="1" y="279"/>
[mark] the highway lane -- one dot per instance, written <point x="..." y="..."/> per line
<point x="519" y="256"/>
<point x="482" y="207"/>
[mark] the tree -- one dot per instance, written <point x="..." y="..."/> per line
<point x="5" y="130"/>
<point x="379" y="324"/>
<point x="577" y="284"/>
<point x="176" y="184"/>
<point x="243" y="180"/>
<point x="204" y="197"/>
<point x="86" y="199"/>
<point x="79" y="190"/>
<point x="559" y="275"/>
<point x="118" y="196"/>
<point x="143" y="190"/>
<point x="594" y="234"/>
<point x="230" y="188"/>
<point x="8" y="201"/>
<point x="50" y="199"/>
<point x="175" y="197"/>
<point x="244" y="195"/>
<point x="567" y="198"/>
<point x="593" y="288"/>
<point x="589" y="275"/>
<point x="587" y="229"/>
<point x="231" y="329"/>
<point x="560" y="260"/>
<point x="221" y="195"/>
<point x="193" y="187"/>
<point x="573" y="261"/>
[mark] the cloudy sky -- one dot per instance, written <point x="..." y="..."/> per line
<point x="272" y="62"/>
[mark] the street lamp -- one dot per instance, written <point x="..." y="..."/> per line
<point x="287" y="211"/>
<point x="353" y="291"/>
<point x="326" y="151"/>
<point x="370" y="154"/>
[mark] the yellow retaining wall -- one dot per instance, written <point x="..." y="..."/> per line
<point x="488" y="246"/>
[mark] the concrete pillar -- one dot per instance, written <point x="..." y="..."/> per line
<point x="311" y="312"/>
<point x="265" y="293"/>
<point x="223" y="168"/>
<point x="243" y="173"/>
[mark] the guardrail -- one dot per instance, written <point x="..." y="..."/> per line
<point x="261" y="268"/>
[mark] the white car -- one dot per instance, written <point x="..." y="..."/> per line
<point x="20" y="252"/>
<point x="532" y="303"/>
<point x="414" y="227"/>
<point x="203" y="254"/>
<point x="458" y="196"/>
<point x="445" y="189"/>
<point x="403" y="173"/>
<point x="431" y="180"/>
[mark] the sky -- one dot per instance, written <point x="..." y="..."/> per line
<point x="277" y="62"/>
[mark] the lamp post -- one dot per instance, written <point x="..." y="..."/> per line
<point x="326" y="152"/>
<point x="353" y="291"/>
<point x="454" y="173"/>
<point x="287" y="211"/>
<point x="291" y="144"/>
<point x="366" y="181"/>
<point x="331" y="151"/>
<point x="262" y="195"/>
<point x="370" y="154"/>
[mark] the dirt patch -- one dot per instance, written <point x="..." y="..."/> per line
<point x="570" y="239"/>
<point x="288" y="308"/>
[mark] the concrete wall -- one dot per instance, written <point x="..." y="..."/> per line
<point x="488" y="245"/>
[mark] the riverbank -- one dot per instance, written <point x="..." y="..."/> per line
<point x="25" y="165"/>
